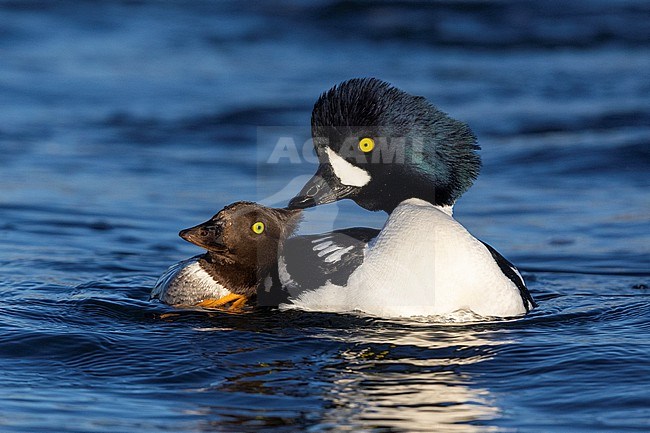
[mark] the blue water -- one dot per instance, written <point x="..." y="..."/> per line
<point x="124" y="122"/>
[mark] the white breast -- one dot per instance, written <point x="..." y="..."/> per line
<point x="422" y="263"/>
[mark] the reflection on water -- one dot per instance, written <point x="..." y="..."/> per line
<point x="392" y="375"/>
<point x="401" y="401"/>
<point x="413" y="380"/>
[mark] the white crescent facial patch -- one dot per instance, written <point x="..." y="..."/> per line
<point x="347" y="173"/>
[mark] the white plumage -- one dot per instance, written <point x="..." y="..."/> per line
<point x="187" y="283"/>
<point x="422" y="263"/>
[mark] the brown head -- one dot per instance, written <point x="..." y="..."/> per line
<point x="244" y="233"/>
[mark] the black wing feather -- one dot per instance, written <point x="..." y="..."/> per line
<point x="508" y="270"/>
<point x="310" y="267"/>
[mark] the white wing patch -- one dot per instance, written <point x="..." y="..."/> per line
<point x="328" y="250"/>
<point x="331" y="251"/>
<point x="347" y="173"/>
<point x="320" y="240"/>
<point x="322" y="246"/>
<point x="336" y="256"/>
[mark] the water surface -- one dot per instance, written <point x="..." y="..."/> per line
<point x="124" y="122"/>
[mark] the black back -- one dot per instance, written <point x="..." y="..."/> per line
<point x="309" y="266"/>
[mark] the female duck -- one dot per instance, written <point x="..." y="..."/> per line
<point x="242" y="243"/>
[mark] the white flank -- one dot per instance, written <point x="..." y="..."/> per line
<point x="347" y="173"/>
<point x="423" y="263"/>
<point x="187" y="283"/>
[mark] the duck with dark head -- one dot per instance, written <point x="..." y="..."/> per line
<point x="242" y="242"/>
<point x="388" y="150"/>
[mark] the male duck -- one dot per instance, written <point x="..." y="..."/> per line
<point x="391" y="151"/>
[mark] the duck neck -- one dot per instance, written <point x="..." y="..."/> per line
<point x="237" y="277"/>
<point x="448" y="209"/>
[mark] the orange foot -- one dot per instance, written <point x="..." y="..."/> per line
<point x="238" y="301"/>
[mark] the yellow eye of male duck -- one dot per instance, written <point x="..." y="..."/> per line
<point x="366" y="144"/>
<point x="258" y="227"/>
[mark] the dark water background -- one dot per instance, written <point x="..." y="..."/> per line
<point x="123" y="122"/>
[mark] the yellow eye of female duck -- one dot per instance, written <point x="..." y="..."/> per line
<point x="366" y="144"/>
<point x="258" y="227"/>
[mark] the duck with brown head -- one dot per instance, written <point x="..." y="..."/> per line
<point x="242" y="243"/>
